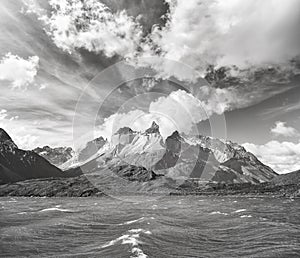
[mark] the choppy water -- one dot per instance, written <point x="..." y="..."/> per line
<point x="166" y="227"/>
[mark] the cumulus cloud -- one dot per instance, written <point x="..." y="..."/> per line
<point x="198" y="34"/>
<point x="283" y="157"/>
<point x="137" y="120"/>
<point x="281" y="129"/>
<point x="179" y="111"/>
<point x="91" y="25"/>
<point x="230" y="32"/>
<point x="19" y="71"/>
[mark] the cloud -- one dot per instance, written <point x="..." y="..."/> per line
<point x="3" y="114"/>
<point x="283" y="157"/>
<point x="197" y="34"/>
<point x="20" y="134"/>
<point x="19" y="71"/>
<point x="137" y="120"/>
<point x="179" y="111"/>
<point x="92" y="25"/>
<point x="281" y="110"/>
<point x="280" y="129"/>
<point x="230" y="32"/>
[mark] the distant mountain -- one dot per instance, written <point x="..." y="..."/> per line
<point x="91" y="148"/>
<point x="56" y="156"/>
<point x="183" y="157"/>
<point x="17" y="165"/>
<point x="287" y="179"/>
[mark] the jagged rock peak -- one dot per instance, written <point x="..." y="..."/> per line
<point x="6" y="139"/>
<point x="99" y="140"/>
<point x="125" y="130"/>
<point x="153" y="129"/>
<point x="175" y="135"/>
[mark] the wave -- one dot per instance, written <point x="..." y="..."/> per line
<point x="132" y="238"/>
<point x="246" y="216"/>
<point x="56" y="209"/>
<point x="140" y="230"/>
<point x="138" y="253"/>
<point x="240" y="210"/>
<point x="132" y="221"/>
<point x="218" y="212"/>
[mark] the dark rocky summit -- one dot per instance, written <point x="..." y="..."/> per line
<point x="153" y="129"/>
<point x="6" y="140"/>
<point x="125" y="130"/>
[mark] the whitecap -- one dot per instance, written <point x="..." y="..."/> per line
<point x="138" y="253"/>
<point x="240" y="210"/>
<point x="246" y="216"/>
<point x="132" y="221"/>
<point x="218" y="212"/>
<point x="132" y="238"/>
<point x="139" y="230"/>
<point x="55" y="209"/>
<point x="126" y="239"/>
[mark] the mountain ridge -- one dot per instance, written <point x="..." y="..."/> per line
<point x="183" y="156"/>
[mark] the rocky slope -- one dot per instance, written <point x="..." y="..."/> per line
<point x="56" y="156"/>
<point x="91" y="148"/>
<point x="117" y="180"/>
<point x="51" y="187"/>
<point x="18" y="165"/>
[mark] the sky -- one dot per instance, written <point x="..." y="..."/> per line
<point x="74" y="70"/>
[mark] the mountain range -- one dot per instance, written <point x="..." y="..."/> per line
<point x="56" y="156"/>
<point x="137" y="157"/>
<point x="179" y="156"/>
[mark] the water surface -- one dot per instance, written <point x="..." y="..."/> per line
<point x="188" y="226"/>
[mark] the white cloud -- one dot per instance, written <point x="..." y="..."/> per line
<point x="177" y="111"/>
<point x="17" y="130"/>
<point x="5" y="117"/>
<point x="230" y="32"/>
<point x="283" y="157"/>
<point x="198" y="33"/>
<point x="137" y="120"/>
<point x="3" y="114"/>
<point x="91" y="25"/>
<point x="19" y="71"/>
<point x="281" y="129"/>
